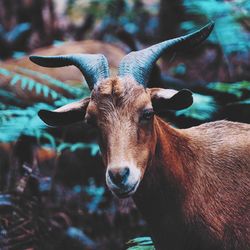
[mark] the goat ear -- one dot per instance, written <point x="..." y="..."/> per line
<point x="67" y="114"/>
<point x="169" y="99"/>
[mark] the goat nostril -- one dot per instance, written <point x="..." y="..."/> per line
<point x="111" y="175"/>
<point x="125" y="173"/>
<point x="119" y="176"/>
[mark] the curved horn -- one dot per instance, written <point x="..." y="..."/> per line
<point x="140" y="63"/>
<point x="93" y="67"/>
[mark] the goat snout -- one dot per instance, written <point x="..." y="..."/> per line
<point x="119" y="176"/>
<point x="123" y="181"/>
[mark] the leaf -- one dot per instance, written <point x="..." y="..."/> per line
<point x="203" y="108"/>
<point x="237" y="89"/>
<point x="140" y="243"/>
<point x="38" y="88"/>
<point x="32" y="83"/>
<point x="17" y="119"/>
<point x="61" y="147"/>
<point x="29" y="83"/>
<point x="225" y="14"/>
<point x="24" y="82"/>
<point x="46" y="91"/>
<point x="94" y="148"/>
<point x="15" y="79"/>
<point x="50" y="138"/>
<point x="75" y="91"/>
<point x="4" y="72"/>
<point x="54" y="94"/>
<point x="7" y="96"/>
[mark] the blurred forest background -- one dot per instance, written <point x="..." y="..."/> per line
<point x="53" y="193"/>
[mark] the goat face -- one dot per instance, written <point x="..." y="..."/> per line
<point x="122" y="108"/>
<point x="123" y="114"/>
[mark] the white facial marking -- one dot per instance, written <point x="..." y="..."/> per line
<point x="130" y="185"/>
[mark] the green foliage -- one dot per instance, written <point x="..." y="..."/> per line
<point x="94" y="148"/>
<point x="8" y="97"/>
<point x="76" y="92"/>
<point x="228" y="15"/>
<point x="26" y="81"/>
<point x="238" y="89"/>
<point x="203" y="108"/>
<point x="29" y="84"/>
<point x="15" y="122"/>
<point x="17" y="119"/>
<point x="140" y="243"/>
<point x="235" y="98"/>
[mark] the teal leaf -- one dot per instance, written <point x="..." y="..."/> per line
<point x="203" y="108"/>
<point x="140" y="243"/>
<point x="24" y="82"/>
<point x="15" y="79"/>
<point x="4" y="72"/>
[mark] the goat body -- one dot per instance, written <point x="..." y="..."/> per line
<point x="191" y="185"/>
<point x="195" y="193"/>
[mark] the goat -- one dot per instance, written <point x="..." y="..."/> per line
<point x="191" y="185"/>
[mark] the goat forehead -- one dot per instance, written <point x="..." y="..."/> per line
<point x="119" y="92"/>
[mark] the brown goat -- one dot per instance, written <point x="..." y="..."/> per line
<point x="191" y="185"/>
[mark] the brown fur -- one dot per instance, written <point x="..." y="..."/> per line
<point x="195" y="188"/>
<point x="196" y="193"/>
<point x="111" y="106"/>
<point x="192" y="185"/>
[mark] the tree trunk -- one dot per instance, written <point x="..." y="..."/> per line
<point x="171" y="13"/>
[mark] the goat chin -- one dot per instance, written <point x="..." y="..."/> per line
<point x="124" y="192"/>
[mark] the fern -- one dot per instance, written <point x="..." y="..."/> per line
<point x="203" y="108"/>
<point x="6" y="96"/>
<point x="94" y="148"/>
<point x="16" y="120"/>
<point x="75" y="91"/>
<point x="30" y="84"/>
<point x="140" y="243"/>
<point x="227" y="15"/>
<point x="238" y="89"/>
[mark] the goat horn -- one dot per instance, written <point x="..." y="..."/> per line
<point x="93" y="67"/>
<point x="140" y="63"/>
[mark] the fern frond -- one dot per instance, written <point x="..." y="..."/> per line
<point x="75" y="91"/>
<point x="34" y="86"/>
<point x="226" y="14"/>
<point x="7" y="97"/>
<point x="203" y="108"/>
<point x="238" y="89"/>
<point x="140" y="243"/>
<point x="94" y="148"/>
<point x="18" y="121"/>
<point x="29" y="84"/>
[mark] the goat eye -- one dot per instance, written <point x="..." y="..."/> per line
<point x="147" y="114"/>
